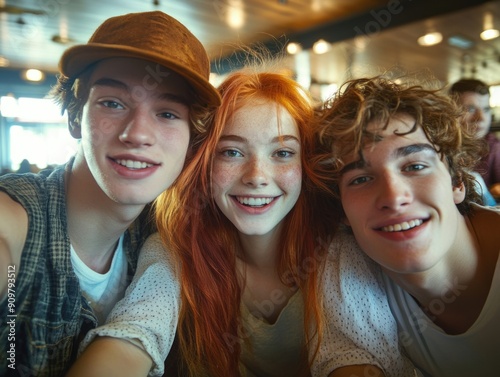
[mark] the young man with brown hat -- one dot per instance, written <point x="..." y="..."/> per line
<point x="136" y="95"/>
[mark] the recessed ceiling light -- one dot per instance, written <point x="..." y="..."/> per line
<point x="430" y="39"/>
<point x="293" y="48"/>
<point x="321" y="46"/>
<point x="4" y="62"/>
<point x="34" y="75"/>
<point x="489" y="34"/>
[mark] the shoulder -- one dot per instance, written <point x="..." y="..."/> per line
<point x="493" y="142"/>
<point x="13" y="229"/>
<point x="347" y="264"/>
<point x="14" y="219"/>
<point x="154" y="254"/>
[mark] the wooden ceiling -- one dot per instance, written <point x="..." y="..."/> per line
<point x="366" y="34"/>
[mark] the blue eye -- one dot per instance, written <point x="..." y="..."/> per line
<point x="168" y="115"/>
<point x="112" y="104"/>
<point x="231" y="153"/>
<point x="359" y="180"/>
<point x="415" y="167"/>
<point x="284" y="153"/>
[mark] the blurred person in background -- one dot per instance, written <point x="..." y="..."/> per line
<point x="474" y="96"/>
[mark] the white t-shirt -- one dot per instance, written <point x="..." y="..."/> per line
<point x="473" y="353"/>
<point x="102" y="291"/>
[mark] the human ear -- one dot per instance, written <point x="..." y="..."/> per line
<point x="459" y="193"/>
<point x="74" y="128"/>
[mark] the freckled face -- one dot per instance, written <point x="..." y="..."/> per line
<point x="257" y="173"/>
<point x="400" y="201"/>
<point x="134" y="131"/>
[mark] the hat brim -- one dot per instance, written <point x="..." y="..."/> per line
<point x="76" y="59"/>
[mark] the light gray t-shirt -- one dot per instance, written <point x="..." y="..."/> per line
<point x="476" y="352"/>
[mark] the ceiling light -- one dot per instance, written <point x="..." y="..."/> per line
<point x="321" y="46"/>
<point x="430" y="39"/>
<point x="34" y="75"/>
<point x="4" y="62"/>
<point x="489" y="34"/>
<point x="489" y="31"/>
<point x="460" y="42"/>
<point x="293" y="48"/>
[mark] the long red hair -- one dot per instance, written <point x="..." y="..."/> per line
<point x="206" y="243"/>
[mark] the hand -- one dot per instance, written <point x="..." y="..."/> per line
<point x="495" y="190"/>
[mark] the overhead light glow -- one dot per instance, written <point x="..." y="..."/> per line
<point x="33" y="75"/>
<point x="489" y="34"/>
<point x="4" y="62"/>
<point x="293" y="48"/>
<point x="430" y="39"/>
<point x="489" y="31"/>
<point x="235" y="16"/>
<point x="321" y="47"/>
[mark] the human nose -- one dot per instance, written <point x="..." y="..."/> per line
<point x="138" y="130"/>
<point x="256" y="173"/>
<point x="392" y="192"/>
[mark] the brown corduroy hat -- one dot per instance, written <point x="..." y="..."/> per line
<point x="152" y="36"/>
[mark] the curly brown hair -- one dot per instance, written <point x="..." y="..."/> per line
<point x="343" y="121"/>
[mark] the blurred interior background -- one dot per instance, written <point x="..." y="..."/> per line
<point x="322" y="43"/>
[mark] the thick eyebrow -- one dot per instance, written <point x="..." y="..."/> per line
<point x="400" y="152"/>
<point x="109" y="82"/>
<point x="276" y="139"/>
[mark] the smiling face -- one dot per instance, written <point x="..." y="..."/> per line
<point x="399" y="199"/>
<point x="257" y="171"/>
<point x="135" y="131"/>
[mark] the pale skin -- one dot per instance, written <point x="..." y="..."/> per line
<point x="418" y="235"/>
<point x="134" y="143"/>
<point x="254" y="160"/>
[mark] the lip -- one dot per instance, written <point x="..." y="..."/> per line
<point x="144" y="167"/>
<point x="255" y="210"/>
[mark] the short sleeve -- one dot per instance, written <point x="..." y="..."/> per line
<point x="359" y="328"/>
<point x="149" y="312"/>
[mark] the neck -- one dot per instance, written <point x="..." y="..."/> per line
<point x="260" y="251"/>
<point x="453" y="292"/>
<point x="95" y="222"/>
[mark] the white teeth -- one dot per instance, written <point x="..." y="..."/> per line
<point x="403" y="226"/>
<point x="254" y="202"/>
<point x="131" y="164"/>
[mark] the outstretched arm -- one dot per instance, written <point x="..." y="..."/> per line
<point x="110" y="357"/>
<point x="140" y="330"/>
<point x="13" y="230"/>
<point x="357" y="371"/>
